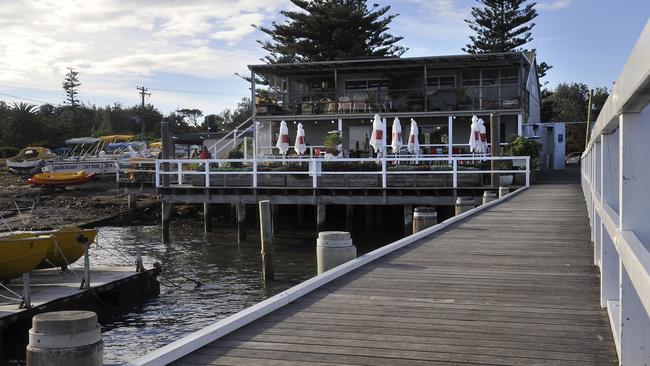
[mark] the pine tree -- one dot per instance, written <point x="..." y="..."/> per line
<point x="331" y="30"/>
<point x="503" y="26"/>
<point x="500" y="26"/>
<point x="70" y="85"/>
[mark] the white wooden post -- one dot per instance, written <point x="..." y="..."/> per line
<point x="27" y="296"/>
<point x="179" y="166"/>
<point x="609" y="259"/>
<point x="383" y="171"/>
<point x="527" y="171"/>
<point x="157" y="172"/>
<point x="455" y="172"/>
<point x="450" y="137"/>
<point x="634" y="200"/>
<point x="595" y="229"/>
<point x="207" y="174"/>
<point x="520" y="120"/>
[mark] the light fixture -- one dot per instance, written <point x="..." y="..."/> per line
<point x="332" y="121"/>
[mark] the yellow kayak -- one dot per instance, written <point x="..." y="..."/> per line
<point x="65" y="248"/>
<point x="20" y="254"/>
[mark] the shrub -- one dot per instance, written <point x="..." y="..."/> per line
<point x="235" y="154"/>
<point x="520" y="146"/>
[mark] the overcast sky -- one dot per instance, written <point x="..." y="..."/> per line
<point x="187" y="51"/>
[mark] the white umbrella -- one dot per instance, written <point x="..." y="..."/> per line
<point x="283" y="138"/>
<point x="483" y="146"/>
<point x="377" y="138"/>
<point x="474" y="136"/>
<point x="396" y="141"/>
<point x="414" y="144"/>
<point x="300" y="147"/>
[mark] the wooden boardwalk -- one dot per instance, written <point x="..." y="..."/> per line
<point x="513" y="285"/>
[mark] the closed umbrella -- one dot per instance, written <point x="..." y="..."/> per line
<point x="414" y="144"/>
<point x="299" y="147"/>
<point x="396" y="142"/>
<point x="475" y="136"/>
<point x="377" y="138"/>
<point x="283" y="139"/>
<point x="483" y="144"/>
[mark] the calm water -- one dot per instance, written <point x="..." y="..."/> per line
<point x="230" y="277"/>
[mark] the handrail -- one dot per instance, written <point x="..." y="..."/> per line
<point x="188" y="167"/>
<point x="614" y="178"/>
<point x="233" y="131"/>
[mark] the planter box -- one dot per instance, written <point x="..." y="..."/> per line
<point x="469" y="180"/>
<point x="239" y="180"/>
<point x="363" y="180"/>
<point x="299" y="180"/>
<point x="270" y="180"/>
<point x="400" y="180"/>
<point x="434" y="180"/>
<point x="331" y="180"/>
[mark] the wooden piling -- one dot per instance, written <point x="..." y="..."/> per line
<point x="266" y="240"/>
<point x="241" y="223"/>
<point x="408" y="220"/>
<point x="207" y="217"/>
<point x="349" y="217"/>
<point x="424" y="217"/>
<point x="320" y="217"/>
<point x="165" y="219"/>
<point x="132" y="201"/>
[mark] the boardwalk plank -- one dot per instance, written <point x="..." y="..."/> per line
<point x="514" y="285"/>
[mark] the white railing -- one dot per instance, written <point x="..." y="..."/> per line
<point x="616" y="183"/>
<point x="180" y="171"/>
<point x="233" y="134"/>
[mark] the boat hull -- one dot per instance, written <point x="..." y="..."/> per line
<point x="22" y="254"/>
<point x="60" y="179"/>
<point x="65" y="249"/>
<point x="89" y="166"/>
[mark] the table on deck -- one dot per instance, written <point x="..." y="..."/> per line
<point x="513" y="285"/>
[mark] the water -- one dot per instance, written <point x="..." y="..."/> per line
<point x="230" y="277"/>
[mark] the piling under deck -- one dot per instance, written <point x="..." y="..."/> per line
<point x="512" y="285"/>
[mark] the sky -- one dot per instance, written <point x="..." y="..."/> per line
<point x="188" y="51"/>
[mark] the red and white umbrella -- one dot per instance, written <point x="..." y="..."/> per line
<point x="474" y="136"/>
<point x="483" y="145"/>
<point x="377" y="138"/>
<point x="396" y="142"/>
<point x="283" y="138"/>
<point x="299" y="146"/>
<point x="413" y="145"/>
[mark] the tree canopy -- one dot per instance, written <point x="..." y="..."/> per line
<point x="569" y="102"/>
<point x="503" y="26"/>
<point x="324" y="30"/>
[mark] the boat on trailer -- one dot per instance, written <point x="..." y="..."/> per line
<point x="30" y="158"/>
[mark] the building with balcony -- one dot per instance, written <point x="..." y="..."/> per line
<point x="441" y="93"/>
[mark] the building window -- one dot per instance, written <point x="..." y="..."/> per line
<point x="370" y="84"/>
<point x="441" y="81"/>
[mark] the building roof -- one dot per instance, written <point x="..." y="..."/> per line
<point x="449" y="61"/>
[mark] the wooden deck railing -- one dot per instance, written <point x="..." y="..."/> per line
<point x="387" y="172"/>
<point x="616" y="184"/>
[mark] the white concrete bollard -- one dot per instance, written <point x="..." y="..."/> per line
<point x="489" y="196"/>
<point x="334" y="248"/>
<point x="424" y="217"/>
<point x="503" y="191"/>
<point x="70" y="338"/>
<point x="464" y="204"/>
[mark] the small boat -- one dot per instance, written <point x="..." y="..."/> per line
<point x="60" y="179"/>
<point x="29" y="158"/>
<point x="20" y="254"/>
<point x="65" y="247"/>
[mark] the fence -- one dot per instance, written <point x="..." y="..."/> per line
<point x="615" y="181"/>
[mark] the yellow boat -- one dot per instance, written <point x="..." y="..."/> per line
<point x="19" y="254"/>
<point x="65" y="248"/>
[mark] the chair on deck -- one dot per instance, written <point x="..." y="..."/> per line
<point x="359" y="103"/>
<point x="345" y="104"/>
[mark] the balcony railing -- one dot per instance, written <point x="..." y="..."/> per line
<point x="394" y="100"/>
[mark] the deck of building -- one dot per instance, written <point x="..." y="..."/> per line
<point x="513" y="285"/>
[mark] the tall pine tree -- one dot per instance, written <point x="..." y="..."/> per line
<point x="330" y="30"/>
<point x="503" y="26"/>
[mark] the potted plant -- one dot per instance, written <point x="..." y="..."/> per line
<point x="520" y="146"/>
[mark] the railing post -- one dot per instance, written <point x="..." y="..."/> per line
<point x="157" y="172"/>
<point x="179" y="170"/>
<point x="609" y="258"/>
<point x="254" y="172"/>
<point x="207" y="173"/>
<point x="383" y="171"/>
<point x="455" y="172"/>
<point x="527" y="171"/>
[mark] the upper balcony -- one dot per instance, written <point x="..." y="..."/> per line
<point x="491" y="82"/>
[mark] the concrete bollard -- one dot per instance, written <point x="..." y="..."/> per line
<point x="334" y="248"/>
<point x="489" y="196"/>
<point x="424" y="217"/>
<point x="70" y="338"/>
<point x="503" y="191"/>
<point x="464" y="204"/>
